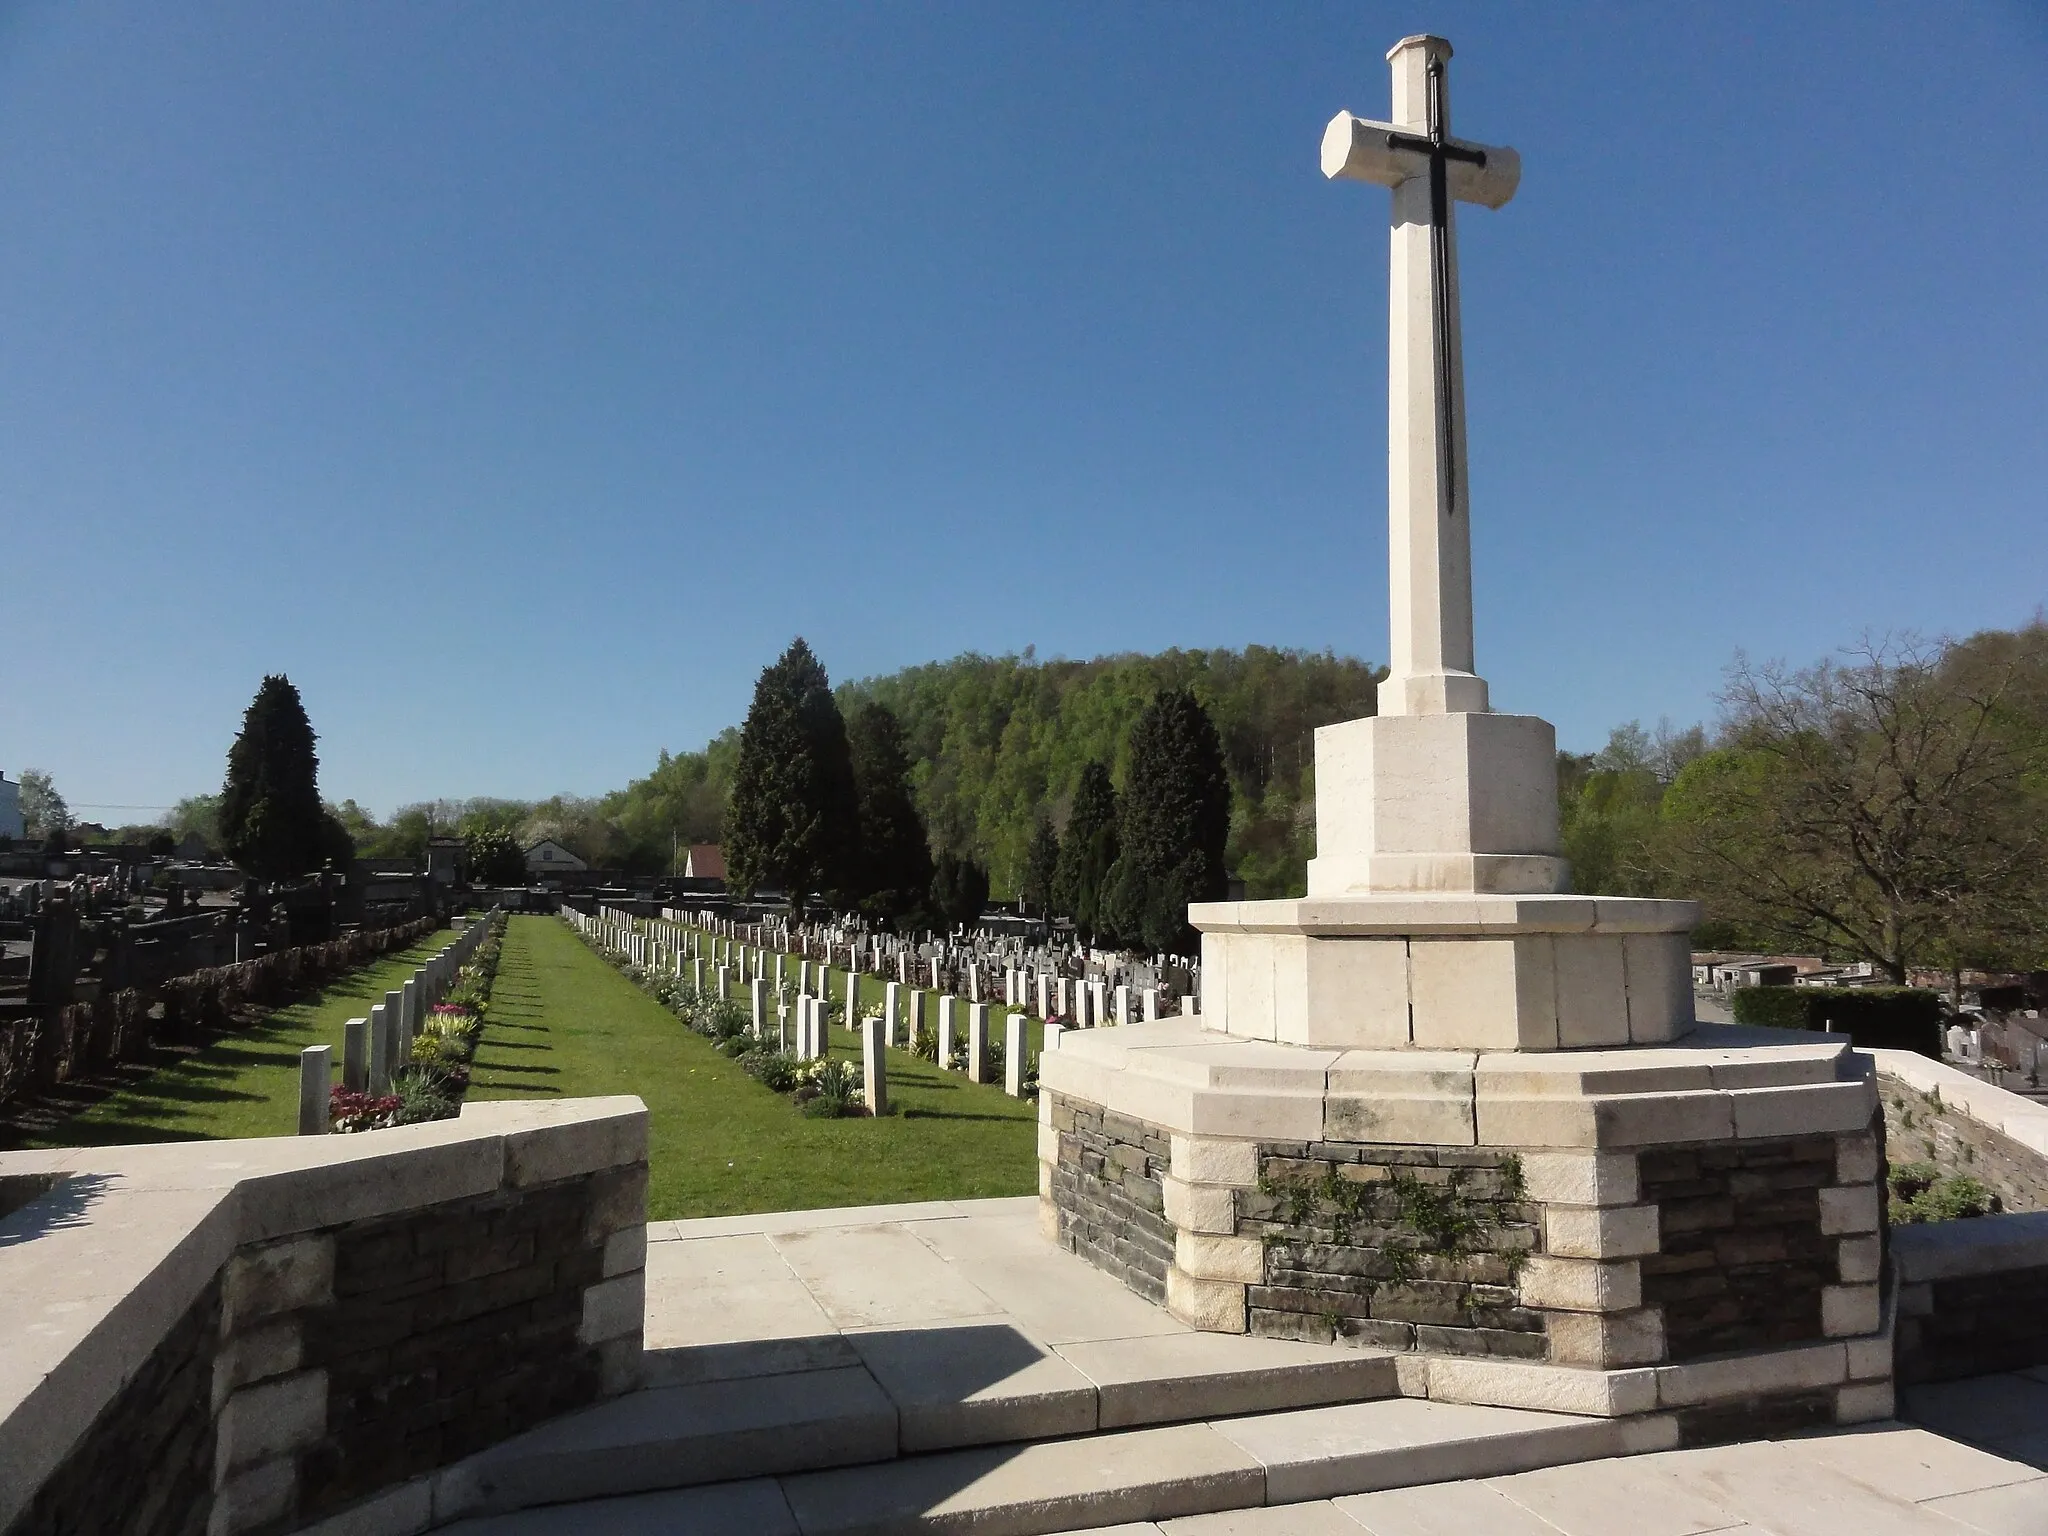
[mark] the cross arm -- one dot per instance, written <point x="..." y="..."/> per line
<point x="1357" y="149"/>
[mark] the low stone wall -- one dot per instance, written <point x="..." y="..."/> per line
<point x="1973" y="1296"/>
<point x="278" y="1330"/>
<point x="1931" y="1120"/>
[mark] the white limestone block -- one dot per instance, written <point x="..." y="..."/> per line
<point x="1211" y="1256"/>
<point x="1600" y="1232"/>
<point x="1606" y="1339"/>
<point x="1214" y="1160"/>
<point x="1580" y="1285"/>
<point x="1659" y="968"/>
<point x="1849" y="1209"/>
<point x="1491" y="994"/>
<point x="1214" y="1306"/>
<point x="1751" y="1375"/>
<point x="1581" y="1178"/>
<point x="1199" y="1207"/>
<point x="1849" y="1309"/>
<point x="1592" y="989"/>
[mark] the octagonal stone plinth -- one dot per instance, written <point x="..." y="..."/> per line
<point x="1462" y="972"/>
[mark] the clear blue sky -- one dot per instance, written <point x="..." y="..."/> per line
<point x="520" y="378"/>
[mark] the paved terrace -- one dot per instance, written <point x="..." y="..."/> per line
<point x="940" y="1367"/>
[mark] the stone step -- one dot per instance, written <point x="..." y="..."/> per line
<point x="904" y="1392"/>
<point x="1114" y="1476"/>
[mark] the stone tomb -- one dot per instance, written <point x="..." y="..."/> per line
<point x="1439" y="1105"/>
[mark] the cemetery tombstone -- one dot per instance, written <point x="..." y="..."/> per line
<point x="977" y="1042"/>
<point x="1013" y="1056"/>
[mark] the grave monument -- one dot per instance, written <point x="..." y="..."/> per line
<point x="1440" y="1106"/>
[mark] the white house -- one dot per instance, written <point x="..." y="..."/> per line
<point x="11" y="824"/>
<point x="549" y="857"/>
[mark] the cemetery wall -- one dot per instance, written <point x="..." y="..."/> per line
<point x="41" y="1050"/>
<point x="1972" y="1297"/>
<point x="1922" y="1124"/>
<point x="283" y="1331"/>
<point x="1973" y="1292"/>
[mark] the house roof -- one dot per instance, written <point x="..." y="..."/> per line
<point x="706" y="861"/>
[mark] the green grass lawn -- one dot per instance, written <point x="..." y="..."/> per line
<point x="564" y="1024"/>
<point x="244" y="1084"/>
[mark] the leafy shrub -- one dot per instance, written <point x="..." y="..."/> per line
<point x="925" y="1043"/>
<point x="1921" y="1192"/>
<point x="775" y="1070"/>
<point x="422" y="1095"/>
<point x="349" y="1111"/>
<point x="1876" y="1018"/>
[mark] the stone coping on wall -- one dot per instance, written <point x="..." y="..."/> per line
<point x="122" y="1240"/>
<point x="1436" y="916"/>
<point x="1975" y="1245"/>
<point x="1717" y="1082"/>
<point x="2022" y="1119"/>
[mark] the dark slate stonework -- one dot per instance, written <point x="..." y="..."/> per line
<point x="1112" y="1211"/>
<point x="1346" y="1260"/>
<point x="145" y="1468"/>
<point x="1743" y="1260"/>
<point x="1973" y="1325"/>
<point x="1755" y="1418"/>
<point x="454" y="1327"/>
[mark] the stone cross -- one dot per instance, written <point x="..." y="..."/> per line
<point x="1430" y="660"/>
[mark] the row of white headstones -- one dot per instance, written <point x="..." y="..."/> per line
<point x="721" y="958"/>
<point x="373" y="1048"/>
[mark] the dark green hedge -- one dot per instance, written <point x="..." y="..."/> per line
<point x="1881" y="1018"/>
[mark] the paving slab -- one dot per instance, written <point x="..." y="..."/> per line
<point x="1909" y="1463"/>
<point x="879" y="1276"/>
<point x="978" y="1382"/>
<point x="1317" y="1453"/>
<point x="725" y="1307"/>
<point x="1627" y="1497"/>
<point x="2017" y="1509"/>
<point x="1764" y="1485"/>
<point x="1318" y="1519"/>
<point x="676" y="1436"/>
<point x="754" y="1508"/>
<point x="1450" y="1509"/>
<point x="1135" y="1475"/>
<point x="1158" y="1379"/>
<point x="1055" y="1296"/>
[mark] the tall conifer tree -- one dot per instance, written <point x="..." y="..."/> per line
<point x="1088" y="850"/>
<point x="271" y="818"/>
<point x="792" y="819"/>
<point x="1041" y="868"/>
<point x="1175" y="822"/>
<point x="890" y="875"/>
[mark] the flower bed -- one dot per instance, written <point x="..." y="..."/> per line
<point x="430" y="1086"/>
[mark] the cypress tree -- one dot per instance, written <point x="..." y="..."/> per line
<point x="792" y="817"/>
<point x="1041" y="867"/>
<point x="1088" y="850"/>
<point x="271" y="819"/>
<point x="1175" y="820"/>
<point x="959" y="890"/>
<point x="890" y="877"/>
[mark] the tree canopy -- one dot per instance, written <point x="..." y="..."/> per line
<point x="792" y="817"/>
<point x="271" y="818"/>
<point x="889" y="877"/>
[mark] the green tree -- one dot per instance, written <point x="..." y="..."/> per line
<point x="1041" y="867"/>
<point x="1888" y="808"/>
<point x="1175" y="822"/>
<point x="793" y="812"/>
<point x="1088" y="851"/>
<point x="271" y="818"/>
<point x="42" y="809"/>
<point x="494" y="856"/>
<point x="890" y="875"/>
<point x="959" y="890"/>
